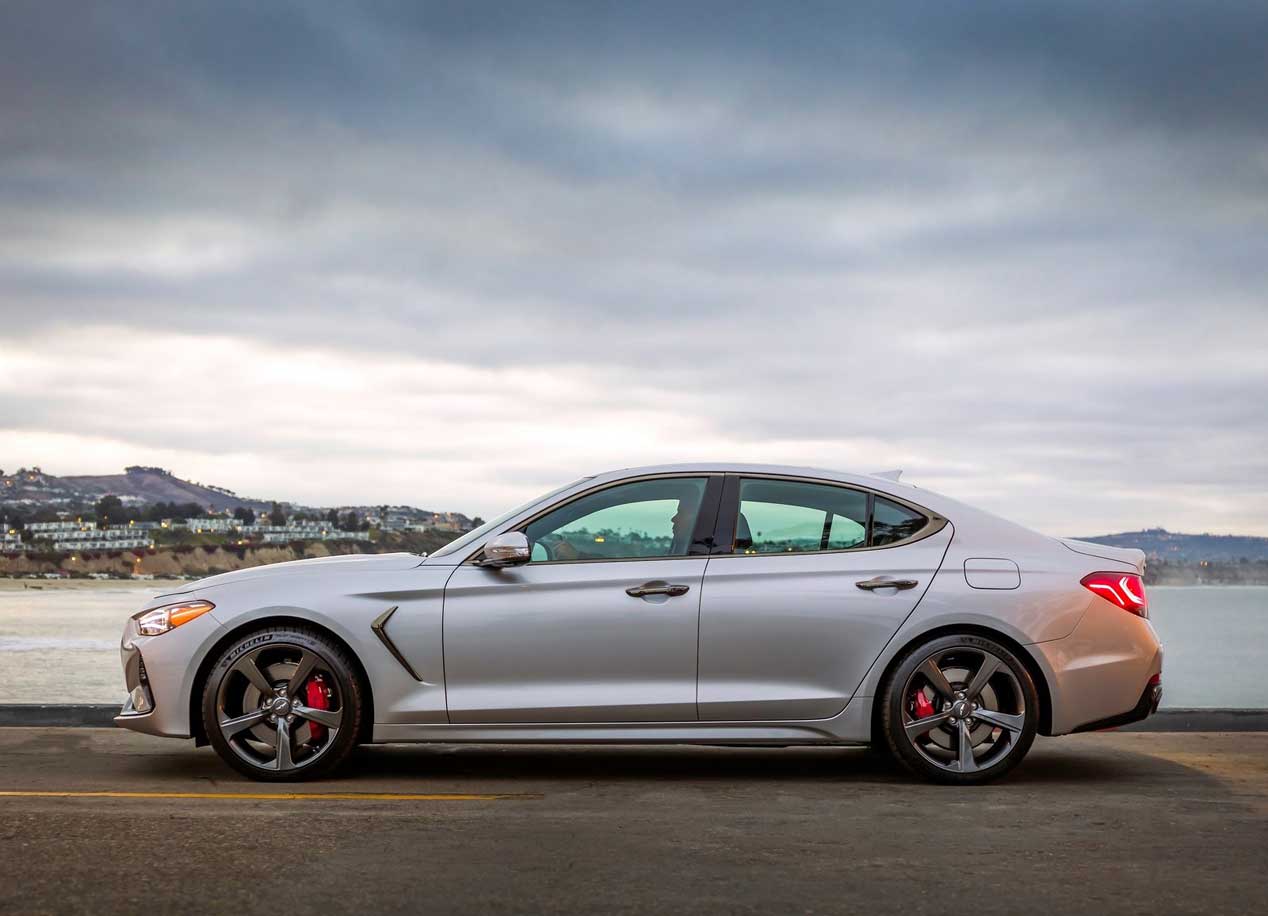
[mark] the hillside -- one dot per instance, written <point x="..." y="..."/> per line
<point x="29" y="491"/>
<point x="1166" y="546"/>
<point x="139" y="485"/>
<point x="155" y="485"/>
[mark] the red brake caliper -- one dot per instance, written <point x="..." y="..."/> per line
<point x="924" y="706"/>
<point x="318" y="697"/>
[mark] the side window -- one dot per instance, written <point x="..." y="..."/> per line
<point x="784" y="516"/>
<point x="892" y="522"/>
<point x="648" y="518"/>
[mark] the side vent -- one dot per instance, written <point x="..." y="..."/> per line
<point x="380" y="630"/>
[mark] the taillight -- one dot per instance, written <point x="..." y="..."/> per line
<point x="1127" y="590"/>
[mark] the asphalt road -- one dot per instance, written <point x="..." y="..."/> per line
<point x="1146" y="823"/>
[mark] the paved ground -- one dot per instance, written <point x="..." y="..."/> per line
<point x="1107" y="823"/>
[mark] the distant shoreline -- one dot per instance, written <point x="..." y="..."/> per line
<point x="17" y="584"/>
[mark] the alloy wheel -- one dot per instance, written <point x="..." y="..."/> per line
<point x="963" y="709"/>
<point x="279" y="707"/>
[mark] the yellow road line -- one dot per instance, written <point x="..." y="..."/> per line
<point x="280" y="796"/>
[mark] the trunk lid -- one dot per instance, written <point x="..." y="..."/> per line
<point x="1129" y="555"/>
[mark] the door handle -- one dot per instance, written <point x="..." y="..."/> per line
<point x="882" y="582"/>
<point x="657" y="588"/>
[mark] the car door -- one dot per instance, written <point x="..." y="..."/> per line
<point x="601" y="625"/>
<point x="790" y="617"/>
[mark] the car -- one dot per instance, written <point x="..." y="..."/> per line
<point x="716" y="604"/>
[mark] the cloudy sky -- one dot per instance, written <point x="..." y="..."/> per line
<point x="453" y="255"/>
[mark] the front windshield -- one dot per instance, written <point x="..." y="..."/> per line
<point x="476" y="533"/>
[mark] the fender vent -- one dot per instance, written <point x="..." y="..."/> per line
<point x="380" y="630"/>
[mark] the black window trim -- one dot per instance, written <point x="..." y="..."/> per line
<point x="702" y="537"/>
<point x="729" y="510"/>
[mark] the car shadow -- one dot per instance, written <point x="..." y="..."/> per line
<point x="1048" y="764"/>
<point x="507" y="768"/>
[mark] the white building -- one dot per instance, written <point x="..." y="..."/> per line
<point x="305" y="531"/>
<point x="212" y="525"/>
<point x="95" y="538"/>
<point x="128" y="542"/>
<point x="57" y="529"/>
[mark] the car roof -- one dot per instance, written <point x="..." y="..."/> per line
<point x="736" y="467"/>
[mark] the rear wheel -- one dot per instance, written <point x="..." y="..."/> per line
<point x="960" y="709"/>
<point x="283" y="703"/>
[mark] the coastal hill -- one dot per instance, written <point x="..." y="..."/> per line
<point x="138" y="484"/>
<point x="1170" y="547"/>
<point x="29" y="494"/>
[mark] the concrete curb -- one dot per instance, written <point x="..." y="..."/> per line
<point x="1202" y="720"/>
<point x="83" y="715"/>
<point x="59" y="715"/>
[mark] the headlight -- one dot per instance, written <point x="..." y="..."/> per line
<point x="161" y="619"/>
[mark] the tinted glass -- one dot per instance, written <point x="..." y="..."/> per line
<point x="784" y="516"/>
<point x="892" y="522"/>
<point x="649" y="518"/>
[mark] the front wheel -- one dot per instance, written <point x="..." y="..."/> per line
<point x="960" y="709"/>
<point x="282" y="704"/>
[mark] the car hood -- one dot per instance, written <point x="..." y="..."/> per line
<point x="353" y="563"/>
<point x="1120" y="554"/>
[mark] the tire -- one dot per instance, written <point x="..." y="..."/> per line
<point x="998" y="730"/>
<point x="249" y="702"/>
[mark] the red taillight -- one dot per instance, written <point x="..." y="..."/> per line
<point x="1127" y="590"/>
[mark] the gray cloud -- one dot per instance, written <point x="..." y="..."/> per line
<point x="1022" y="250"/>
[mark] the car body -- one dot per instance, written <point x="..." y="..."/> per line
<point x="747" y="626"/>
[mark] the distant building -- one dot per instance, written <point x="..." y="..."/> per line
<point x="58" y="529"/>
<point x="92" y="538"/>
<point x="212" y="525"/>
<point x="303" y="531"/>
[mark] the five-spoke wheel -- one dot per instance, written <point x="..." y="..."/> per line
<point x="282" y="704"/>
<point x="960" y="709"/>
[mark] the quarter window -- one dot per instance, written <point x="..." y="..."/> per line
<point x="892" y="522"/>
<point x="647" y="518"/>
<point x="783" y="516"/>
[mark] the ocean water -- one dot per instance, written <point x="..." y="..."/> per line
<point x="61" y="645"/>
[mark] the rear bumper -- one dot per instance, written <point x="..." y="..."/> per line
<point x="1096" y="674"/>
<point x="1144" y="708"/>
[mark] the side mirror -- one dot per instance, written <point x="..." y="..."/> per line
<point x="507" y="549"/>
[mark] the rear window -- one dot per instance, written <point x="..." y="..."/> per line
<point x="792" y="516"/>
<point x="783" y="516"/>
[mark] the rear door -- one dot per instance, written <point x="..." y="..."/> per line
<point x="795" y="607"/>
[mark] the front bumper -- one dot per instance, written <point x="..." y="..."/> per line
<point x="159" y="673"/>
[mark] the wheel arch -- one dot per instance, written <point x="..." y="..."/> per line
<point x="196" y="730"/>
<point x="1027" y="658"/>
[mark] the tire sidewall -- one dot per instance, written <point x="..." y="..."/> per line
<point x="892" y="710"/>
<point x="339" y="665"/>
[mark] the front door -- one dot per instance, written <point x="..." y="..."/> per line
<point x="600" y="626"/>
<point x="786" y="632"/>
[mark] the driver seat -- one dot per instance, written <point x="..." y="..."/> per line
<point x="743" y="534"/>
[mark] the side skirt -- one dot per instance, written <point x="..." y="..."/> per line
<point x="746" y="733"/>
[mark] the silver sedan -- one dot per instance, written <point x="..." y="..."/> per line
<point x="686" y="604"/>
